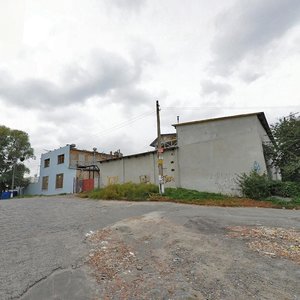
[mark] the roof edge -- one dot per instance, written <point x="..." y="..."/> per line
<point x="217" y="119"/>
<point x="260" y="115"/>
<point x="135" y="155"/>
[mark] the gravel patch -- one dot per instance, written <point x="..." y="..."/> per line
<point x="270" y="241"/>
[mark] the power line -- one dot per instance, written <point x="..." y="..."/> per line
<point x="116" y="126"/>
<point x="231" y="107"/>
<point x="119" y="125"/>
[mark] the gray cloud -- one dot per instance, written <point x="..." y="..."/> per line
<point x="131" y="95"/>
<point x="248" y="27"/>
<point x="103" y="74"/>
<point x="249" y="77"/>
<point x="210" y="87"/>
<point x="130" y="5"/>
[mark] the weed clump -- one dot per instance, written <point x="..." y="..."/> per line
<point x="254" y="186"/>
<point x="126" y="191"/>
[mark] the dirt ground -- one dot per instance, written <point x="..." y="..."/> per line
<point x="151" y="257"/>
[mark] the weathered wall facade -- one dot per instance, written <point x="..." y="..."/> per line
<point x="212" y="154"/>
<point x="84" y="157"/>
<point x="139" y="168"/>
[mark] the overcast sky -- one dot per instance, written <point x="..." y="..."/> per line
<point x="89" y="72"/>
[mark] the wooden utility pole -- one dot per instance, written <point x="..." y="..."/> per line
<point x="159" y="154"/>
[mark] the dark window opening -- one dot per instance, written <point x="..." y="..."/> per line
<point x="59" y="181"/>
<point x="47" y="163"/>
<point x="45" y="183"/>
<point x="60" y="159"/>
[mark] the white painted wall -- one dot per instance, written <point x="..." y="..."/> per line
<point x="212" y="154"/>
<point x="131" y="168"/>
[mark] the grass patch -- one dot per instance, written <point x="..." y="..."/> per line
<point x="126" y="191"/>
<point x="185" y="194"/>
<point x="149" y="192"/>
<point x="228" y="202"/>
<point x="285" y="203"/>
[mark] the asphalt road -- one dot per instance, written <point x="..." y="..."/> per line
<point x="43" y="245"/>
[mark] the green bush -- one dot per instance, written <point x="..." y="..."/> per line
<point x="260" y="186"/>
<point x="285" y="188"/>
<point x="126" y="191"/>
<point x="254" y="186"/>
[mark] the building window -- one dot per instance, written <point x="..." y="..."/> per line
<point x="47" y="163"/>
<point x="60" y="159"/>
<point x="45" y="183"/>
<point x="59" y="181"/>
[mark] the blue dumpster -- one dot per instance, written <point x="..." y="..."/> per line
<point x="5" y="195"/>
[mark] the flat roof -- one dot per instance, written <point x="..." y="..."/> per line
<point x="260" y="115"/>
<point x="88" y="151"/>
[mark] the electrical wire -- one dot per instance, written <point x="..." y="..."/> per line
<point x="107" y="131"/>
<point x="117" y="126"/>
<point x="229" y="107"/>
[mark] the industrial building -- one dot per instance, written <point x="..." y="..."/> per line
<point x="205" y="155"/>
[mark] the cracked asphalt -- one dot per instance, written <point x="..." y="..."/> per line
<point x="43" y="247"/>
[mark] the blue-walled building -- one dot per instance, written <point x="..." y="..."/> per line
<point x="63" y="170"/>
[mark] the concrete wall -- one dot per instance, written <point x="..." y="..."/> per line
<point x="212" y="154"/>
<point x="33" y="188"/>
<point x="139" y="168"/>
<point x="51" y="171"/>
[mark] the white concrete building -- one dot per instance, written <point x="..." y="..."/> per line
<point x="140" y="168"/>
<point x="206" y="155"/>
<point x="212" y="153"/>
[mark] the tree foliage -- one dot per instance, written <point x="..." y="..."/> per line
<point x="14" y="149"/>
<point x="286" y="153"/>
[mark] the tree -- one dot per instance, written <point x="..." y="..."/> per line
<point x="15" y="148"/>
<point x="286" y="153"/>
